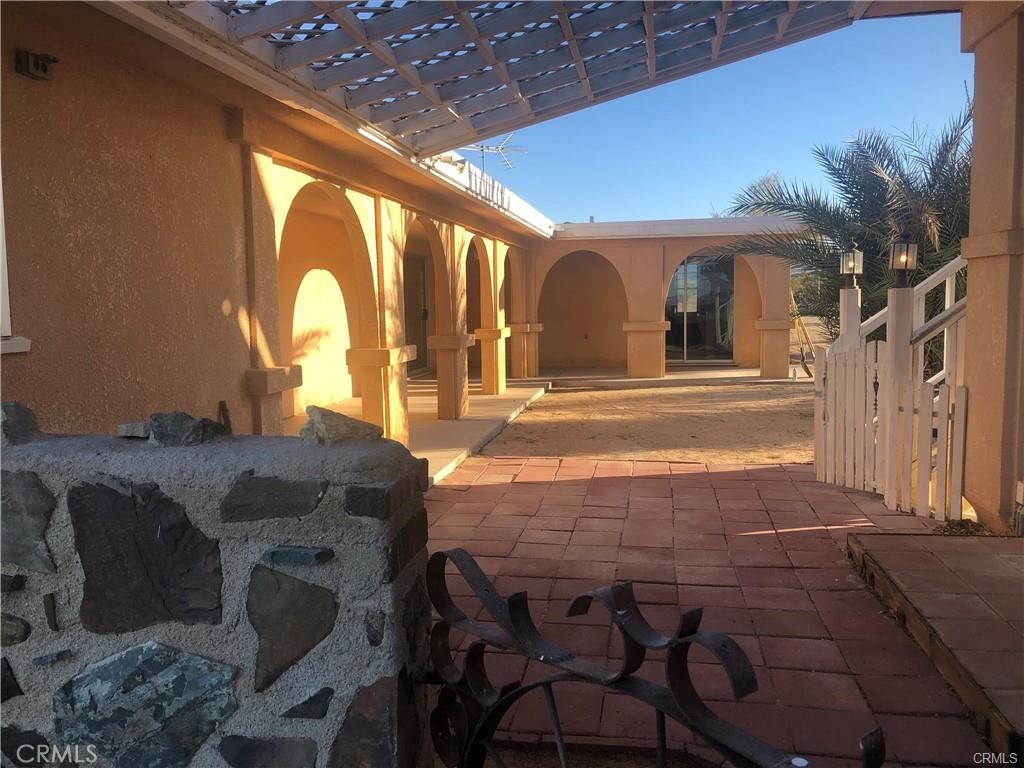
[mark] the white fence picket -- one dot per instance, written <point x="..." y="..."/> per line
<point x="956" y="473"/>
<point x="830" y="418"/>
<point x="860" y="398"/>
<point x="849" y="413"/>
<point x="926" y="395"/>
<point x="942" y="454"/>
<point x="820" y="364"/>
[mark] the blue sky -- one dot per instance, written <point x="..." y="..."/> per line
<point x="684" y="149"/>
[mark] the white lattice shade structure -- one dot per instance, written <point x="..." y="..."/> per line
<point x="434" y="76"/>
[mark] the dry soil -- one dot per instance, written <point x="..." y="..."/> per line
<point x="746" y="423"/>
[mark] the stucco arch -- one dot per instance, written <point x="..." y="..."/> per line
<point x="485" y="284"/>
<point x="582" y="304"/>
<point x="748" y="302"/>
<point x="426" y="231"/>
<point x="323" y="259"/>
<point x="542" y="270"/>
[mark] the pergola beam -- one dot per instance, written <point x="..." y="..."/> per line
<point x="721" y="23"/>
<point x="349" y="22"/>
<point x="574" y="48"/>
<point x="270" y="18"/>
<point x="649" y="34"/>
<point x="483" y="45"/>
<point x="452" y="39"/>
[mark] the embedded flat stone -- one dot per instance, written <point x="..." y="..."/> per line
<point x="50" y="611"/>
<point x="23" y="747"/>
<point x="259" y="498"/>
<point x="25" y="509"/>
<point x="179" y="428"/>
<point x="9" y="687"/>
<point x="245" y="752"/>
<point x="13" y="630"/>
<point x="326" y="427"/>
<point x="17" y="423"/>
<point x="373" y="624"/>
<point x="290" y="617"/>
<point x="14" y="583"/>
<point x="52" y="658"/>
<point x="134" y="429"/>
<point x="151" y="705"/>
<point x="285" y="555"/>
<point x="166" y="569"/>
<point x="380" y="727"/>
<point x="313" y="708"/>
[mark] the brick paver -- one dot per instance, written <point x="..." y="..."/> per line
<point x="761" y="548"/>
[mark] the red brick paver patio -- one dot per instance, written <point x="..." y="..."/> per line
<point x="759" y="547"/>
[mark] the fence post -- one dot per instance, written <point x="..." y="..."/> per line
<point x="849" y="318"/>
<point x="900" y="399"/>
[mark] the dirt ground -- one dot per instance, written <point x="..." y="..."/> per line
<point x="749" y="423"/>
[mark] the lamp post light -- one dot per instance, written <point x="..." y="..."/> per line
<point x="852" y="264"/>
<point x="903" y="260"/>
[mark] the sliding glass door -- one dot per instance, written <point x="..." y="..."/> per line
<point x="699" y="307"/>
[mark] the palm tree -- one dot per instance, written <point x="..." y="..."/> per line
<point x="883" y="187"/>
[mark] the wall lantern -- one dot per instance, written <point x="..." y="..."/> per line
<point x="903" y="260"/>
<point x="852" y="263"/>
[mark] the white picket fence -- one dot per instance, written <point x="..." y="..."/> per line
<point x="879" y="426"/>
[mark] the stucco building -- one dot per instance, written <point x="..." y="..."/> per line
<point x="184" y="225"/>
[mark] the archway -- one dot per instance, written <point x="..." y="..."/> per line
<point x="427" y="299"/>
<point x="478" y="299"/>
<point x="699" y="306"/>
<point x="505" y="305"/>
<point x="326" y="301"/>
<point x="582" y="308"/>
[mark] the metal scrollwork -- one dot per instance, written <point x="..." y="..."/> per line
<point x="470" y="708"/>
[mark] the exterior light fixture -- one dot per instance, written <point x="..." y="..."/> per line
<point x="852" y="263"/>
<point x="903" y="260"/>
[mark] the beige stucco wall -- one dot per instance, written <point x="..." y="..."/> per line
<point x="994" y="361"/>
<point x="146" y="200"/>
<point x="123" y="215"/>
<point x="747" y="339"/>
<point x="582" y="306"/>
<point x="642" y="268"/>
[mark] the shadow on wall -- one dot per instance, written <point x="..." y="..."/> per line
<point x="582" y="307"/>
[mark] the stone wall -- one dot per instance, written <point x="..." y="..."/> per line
<point x="188" y="598"/>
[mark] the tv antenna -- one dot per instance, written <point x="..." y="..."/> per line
<point x="501" y="149"/>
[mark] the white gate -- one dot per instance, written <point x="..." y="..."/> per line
<point x="879" y="426"/>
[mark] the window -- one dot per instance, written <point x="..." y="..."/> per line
<point x="8" y="343"/>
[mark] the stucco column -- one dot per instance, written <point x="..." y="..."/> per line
<point x="452" y="374"/>
<point x="266" y="379"/>
<point x="994" y="364"/>
<point x="775" y="322"/>
<point x="525" y="350"/>
<point x="645" y="348"/>
<point x="383" y="386"/>
<point x="492" y="359"/>
<point x="774" y="347"/>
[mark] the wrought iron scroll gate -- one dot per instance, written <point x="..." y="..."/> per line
<point x="469" y="708"/>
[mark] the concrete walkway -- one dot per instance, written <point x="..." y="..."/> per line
<point x="759" y="547"/>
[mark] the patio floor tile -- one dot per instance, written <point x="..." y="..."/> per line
<point x="762" y="551"/>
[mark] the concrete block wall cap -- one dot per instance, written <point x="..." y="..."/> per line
<point x="648" y="326"/>
<point x="459" y="341"/>
<point x="1006" y="243"/>
<point x="774" y="325"/>
<point x="492" y="334"/>
<point x="526" y="327"/>
<point x="380" y="357"/>
<point x="260" y="382"/>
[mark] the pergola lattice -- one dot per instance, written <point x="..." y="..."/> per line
<point x="434" y="76"/>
